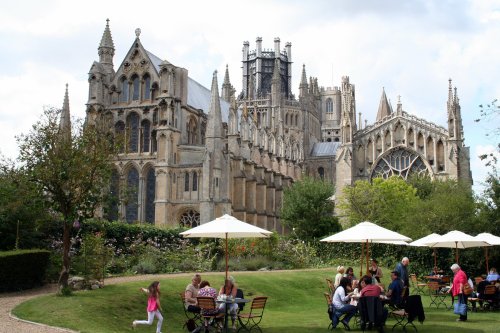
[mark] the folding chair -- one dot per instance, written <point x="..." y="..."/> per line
<point x="251" y="320"/>
<point x="189" y="315"/>
<point x="436" y="296"/>
<point x="489" y="297"/>
<point x="331" y="288"/>
<point x="209" y="311"/>
<point x="417" y="286"/>
<point x="413" y="309"/>
<point x="372" y="313"/>
<point x="329" y="305"/>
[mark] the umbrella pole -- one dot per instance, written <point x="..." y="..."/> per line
<point x="456" y="252"/>
<point x="367" y="254"/>
<point x="227" y="263"/>
<point x="435" y="259"/>
<point x="362" y="258"/>
<point x="486" y="255"/>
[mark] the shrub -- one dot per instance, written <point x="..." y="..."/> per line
<point x="22" y="269"/>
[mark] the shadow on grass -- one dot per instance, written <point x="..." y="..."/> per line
<point x="429" y="328"/>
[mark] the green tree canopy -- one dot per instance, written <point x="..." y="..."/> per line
<point x="70" y="166"/>
<point x="385" y="202"/>
<point x="308" y="209"/>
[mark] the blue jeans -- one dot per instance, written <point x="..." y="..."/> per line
<point x="349" y="311"/>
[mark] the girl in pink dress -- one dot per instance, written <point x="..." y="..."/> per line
<point x="154" y="307"/>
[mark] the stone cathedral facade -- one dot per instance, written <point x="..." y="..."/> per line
<point x="190" y="154"/>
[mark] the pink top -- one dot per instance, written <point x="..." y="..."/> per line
<point x="459" y="279"/>
<point x="370" y="290"/>
<point x="152" y="305"/>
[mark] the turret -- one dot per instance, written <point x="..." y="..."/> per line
<point x="227" y="88"/>
<point x="106" y="50"/>
<point x="455" y="128"/>
<point x="348" y="117"/>
<point x="65" y="120"/>
<point x="303" y="83"/>
<point x="384" y="108"/>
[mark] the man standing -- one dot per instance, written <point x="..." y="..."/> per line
<point x="191" y="293"/>
<point x="402" y="269"/>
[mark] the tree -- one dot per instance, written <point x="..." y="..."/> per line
<point x="308" y="210"/>
<point x="22" y="208"/>
<point x="385" y="202"/>
<point x="70" y="165"/>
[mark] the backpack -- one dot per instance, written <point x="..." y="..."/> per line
<point x="190" y="325"/>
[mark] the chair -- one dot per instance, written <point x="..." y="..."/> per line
<point x="239" y="294"/>
<point x="413" y="309"/>
<point x="331" y="288"/>
<point x="372" y="313"/>
<point x="189" y="315"/>
<point x="249" y="321"/>
<point x="489" y="297"/>
<point x="209" y="311"/>
<point x="417" y="286"/>
<point x="436" y="296"/>
<point x="329" y="306"/>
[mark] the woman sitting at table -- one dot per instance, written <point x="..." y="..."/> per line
<point x="229" y="289"/>
<point x="340" y="274"/>
<point x="349" y="273"/>
<point x="340" y="301"/>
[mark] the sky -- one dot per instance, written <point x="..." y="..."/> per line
<point x="409" y="48"/>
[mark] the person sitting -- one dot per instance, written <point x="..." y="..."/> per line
<point x="340" y="274"/>
<point x="395" y="289"/>
<point x="493" y="275"/>
<point x="349" y="273"/>
<point x="229" y="289"/>
<point x="375" y="271"/>
<point x="355" y="292"/>
<point x="373" y="290"/>
<point x="340" y="301"/>
<point x="191" y="293"/>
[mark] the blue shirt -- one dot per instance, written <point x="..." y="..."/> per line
<point x="492" y="277"/>
<point x="403" y="273"/>
<point x="397" y="287"/>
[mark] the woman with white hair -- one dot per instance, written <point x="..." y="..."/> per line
<point x="340" y="275"/>
<point x="457" y="288"/>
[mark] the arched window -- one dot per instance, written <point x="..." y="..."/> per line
<point x="131" y="196"/>
<point x="150" y="196"/>
<point x="136" y="88"/>
<point x="111" y="209"/>
<point x="321" y="172"/>
<point x="329" y="105"/>
<point x="190" y="219"/>
<point x="192" y="129"/>
<point x="399" y="162"/>
<point x="195" y="181"/>
<point x="147" y="87"/>
<point x="186" y="181"/>
<point x="146" y="135"/>
<point x="124" y="93"/>
<point x="120" y="136"/>
<point x="133" y="132"/>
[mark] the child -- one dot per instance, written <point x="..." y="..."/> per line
<point x="153" y="308"/>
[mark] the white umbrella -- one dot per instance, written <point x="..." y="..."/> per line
<point x="423" y="242"/>
<point x="367" y="232"/>
<point x="226" y="227"/>
<point x="456" y="240"/>
<point x="490" y="239"/>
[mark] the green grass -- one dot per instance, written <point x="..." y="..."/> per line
<point x="295" y="305"/>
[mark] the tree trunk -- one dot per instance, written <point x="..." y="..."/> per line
<point x="64" y="275"/>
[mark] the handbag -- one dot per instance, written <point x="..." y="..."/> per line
<point x="467" y="289"/>
<point x="460" y="308"/>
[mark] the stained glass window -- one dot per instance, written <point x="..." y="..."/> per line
<point x="136" y="85"/>
<point x="124" y="93"/>
<point x="399" y="162"/>
<point x="132" y="195"/>
<point x="146" y="135"/>
<point x="133" y="126"/>
<point x="119" y="134"/>
<point x="147" y="87"/>
<point x="150" y="195"/>
<point x="195" y="181"/>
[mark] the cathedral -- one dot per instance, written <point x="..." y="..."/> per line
<point x="189" y="153"/>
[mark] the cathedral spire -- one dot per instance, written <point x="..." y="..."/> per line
<point x="303" y="82"/>
<point x="276" y="83"/>
<point x="214" y="124"/>
<point x="65" y="121"/>
<point x="227" y="88"/>
<point x="106" y="49"/>
<point x="455" y="128"/>
<point x="384" y="108"/>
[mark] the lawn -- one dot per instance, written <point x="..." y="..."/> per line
<point x="295" y="305"/>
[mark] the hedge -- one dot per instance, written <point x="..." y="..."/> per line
<point x="22" y="269"/>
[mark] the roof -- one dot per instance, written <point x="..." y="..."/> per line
<point x="198" y="96"/>
<point x="325" y="149"/>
